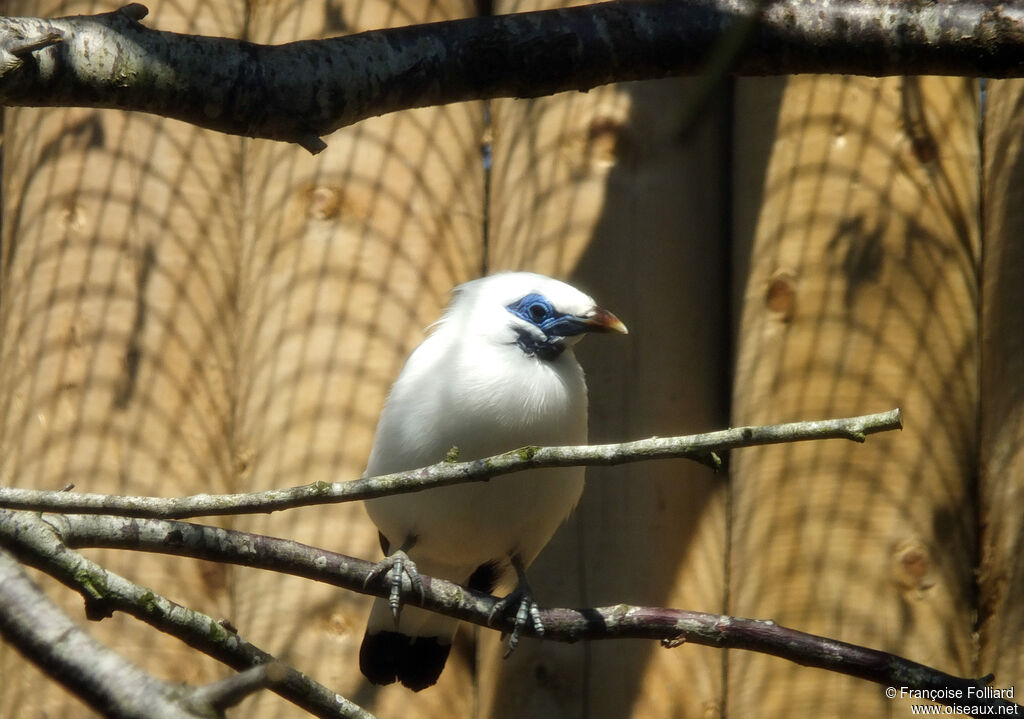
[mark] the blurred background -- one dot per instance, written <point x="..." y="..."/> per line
<point x="183" y="312"/>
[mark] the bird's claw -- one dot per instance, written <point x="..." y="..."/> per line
<point x="398" y="564"/>
<point x="526" y="610"/>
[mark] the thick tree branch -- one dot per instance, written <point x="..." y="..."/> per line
<point x="301" y="91"/>
<point x="671" y="626"/>
<point x="698" y="447"/>
<point x="39" y="542"/>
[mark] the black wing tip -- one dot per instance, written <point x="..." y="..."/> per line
<point x="417" y="662"/>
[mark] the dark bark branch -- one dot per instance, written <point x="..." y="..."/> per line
<point x="301" y="91"/>
<point x="39" y="542"/>
<point x="698" y="447"/>
<point x="671" y="626"/>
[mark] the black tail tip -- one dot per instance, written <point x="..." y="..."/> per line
<point x="416" y="662"/>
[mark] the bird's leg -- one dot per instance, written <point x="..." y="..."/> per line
<point x="526" y="609"/>
<point x="398" y="563"/>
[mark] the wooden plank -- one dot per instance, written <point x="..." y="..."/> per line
<point x="1001" y="578"/>
<point x="862" y="295"/>
<point x="347" y="257"/>
<point x="116" y="364"/>
<point x="600" y="189"/>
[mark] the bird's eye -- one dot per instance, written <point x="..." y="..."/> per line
<point x="533" y="308"/>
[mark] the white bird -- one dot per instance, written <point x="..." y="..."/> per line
<point x="497" y="373"/>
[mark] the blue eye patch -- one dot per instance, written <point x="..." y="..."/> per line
<point x="537" y="310"/>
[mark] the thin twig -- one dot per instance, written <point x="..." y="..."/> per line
<point x="698" y="447"/>
<point x="231" y="690"/>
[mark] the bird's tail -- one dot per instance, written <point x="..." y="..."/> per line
<point x="413" y="652"/>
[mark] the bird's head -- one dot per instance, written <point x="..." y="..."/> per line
<point x="539" y="315"/>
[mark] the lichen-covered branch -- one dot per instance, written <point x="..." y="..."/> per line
<point x="699" y="447"/>
<point x="303" y="90"/>
<point x="671" y="626"/>
<point x="101" y="677"/>
<point x="40" y="541"/>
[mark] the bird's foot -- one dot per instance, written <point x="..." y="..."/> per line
<point x="398" y="564"/>
<point x="526" y="609"/>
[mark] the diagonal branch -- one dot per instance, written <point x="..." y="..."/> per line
<point x="698" y="447"/>
<point x="671" y="626"/>
<point x="39" y="542"/>
<point x="103" y="679"/>
<point x="301" y="91"/>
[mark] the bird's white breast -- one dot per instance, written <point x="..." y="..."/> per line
<point x="483" y="399"/>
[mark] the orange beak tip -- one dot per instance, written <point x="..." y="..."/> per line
<point x="601" y="320"/>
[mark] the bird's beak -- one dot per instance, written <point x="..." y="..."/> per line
<point x="601" y="320"/>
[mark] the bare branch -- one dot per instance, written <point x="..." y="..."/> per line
<point x="103" y="679"/>
<point x="301" y="91"/>
<point x="229" y="691"/>
<point x="698" y="447"/>
<point x="38" y="542"/>
<point x="671" y="626"/>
